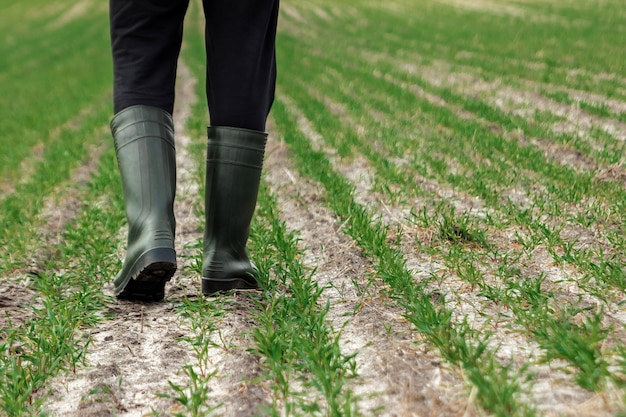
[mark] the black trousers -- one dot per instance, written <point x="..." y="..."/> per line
<point x="240" y="36"/>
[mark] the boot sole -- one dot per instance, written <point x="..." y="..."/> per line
<point x="146" y="280"/>
<point x="211" y="286"/>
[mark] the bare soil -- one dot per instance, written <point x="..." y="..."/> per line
<point x="396" y="372"/>
<point x="554" y="392"/>
<point x="134" y="355"/>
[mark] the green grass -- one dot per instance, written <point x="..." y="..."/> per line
<point x="457" y="343"/>
<point x="68" y="300"/>
<point x="50" y="111"/>
<point x="49" y="94"/>
<point x="466" y="155"/>
<point x="202" y="317"/>
<point x="518" y="249"/>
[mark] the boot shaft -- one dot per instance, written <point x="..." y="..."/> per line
<point x="234" y="165"/>
<point x="144" y="145"/>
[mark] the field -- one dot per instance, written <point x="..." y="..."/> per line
<point x="440" y="228"/>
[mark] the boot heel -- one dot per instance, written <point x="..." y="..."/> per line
<point x="147" y="278"/>
<point x="211" y="286"/>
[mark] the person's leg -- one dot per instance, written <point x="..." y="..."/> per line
<point x="241" y="77"/>
<point x="241" y="61"/>
<point x="146" y="38"/>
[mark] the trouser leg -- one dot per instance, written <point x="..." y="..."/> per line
<point x="241" y="65"/>
<point x="241" y="61"/>
<point x="146" y="36"/>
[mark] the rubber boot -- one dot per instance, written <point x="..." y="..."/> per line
<point x="144" y="145"/>
<point x="234" y="163"/>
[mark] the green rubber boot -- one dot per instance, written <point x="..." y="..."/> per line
<point x="234" y="163"/>
<point x="144" y="145"/>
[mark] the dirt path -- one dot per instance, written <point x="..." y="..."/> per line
<point x="395" y="374"/>
<point x="139" y="350"/>
<point x="417" y="382"/>
<point x="133" y="355"/>
<point x="16" y="296"/>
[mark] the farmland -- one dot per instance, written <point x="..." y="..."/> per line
<point x="440" y="228"/>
